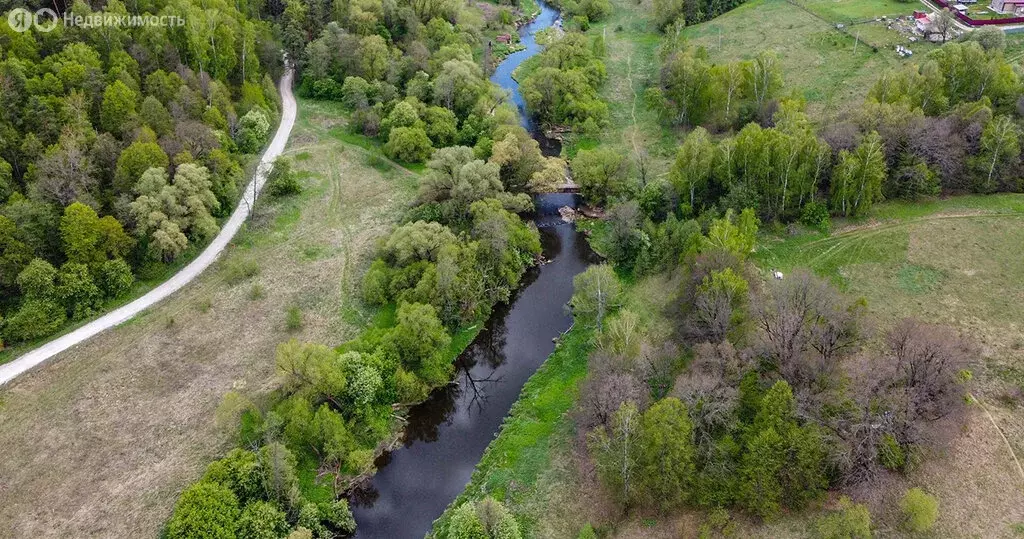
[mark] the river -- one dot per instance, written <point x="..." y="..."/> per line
<point x="446" y="435"/>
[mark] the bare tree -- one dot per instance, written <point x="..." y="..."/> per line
<point x="929" y="360"/>
<point x="944" y="24"/>
<point x="805" y="325"/>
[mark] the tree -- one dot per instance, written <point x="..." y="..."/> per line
<point x="600" y="174"/>
<point x="665" y="467"/>
<point x="615" y="451"/>
<point x="691" y="170"/>
<point x="550" y="178"/>
<point x="998" y="157"/>
<point x="465" y="524"/>
<point x="720" y="306"/>
<point x="596" y="292"/>
<point x="261" y="520"/>
<point x="154" y="115"/>
<point x="421" y="341"/>
<point x="760" y="489"/>
<point x="136" y="159"/>
<point x="857" y="180"/>
<point x="920" y="510"/>
<point x="763" y="78"/>
<point x="733" y="234"/>
<point x="117" y="113"/>
<point x="205" y="510"/>
<point x="76" y="290"/>
<point x="7" y="184"/>
<point x="282" y="181"/>
<point x="253" y="129"/>
<point x="944" y="24"/>
<point x="409" y="144"/>
<point x="687" y="88"/>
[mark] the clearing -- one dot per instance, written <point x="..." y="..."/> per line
<point x="100" y="441"/>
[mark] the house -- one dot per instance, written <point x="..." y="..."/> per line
<point x="961" y="9"/>
<point x="504" y="38"/>
<point x="924" y="21"/>
<point x="1014" y="7"/>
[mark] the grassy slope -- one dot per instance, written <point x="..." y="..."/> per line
<point x="101" y="440"/>
<point x="818" y="62"/>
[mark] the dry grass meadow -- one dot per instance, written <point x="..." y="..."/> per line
<point x="99" y="441"/>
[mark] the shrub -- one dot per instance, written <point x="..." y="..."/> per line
<point x="815" y="215"/>
<point x="293" y="318"/>
<point x="239" y="270"/>
<point x="282" y="180"/>
<point x="891" y="454"/>
<point x="850" y="521"/>
<point x="920" y="510"/>
<point x="204" y="510"/>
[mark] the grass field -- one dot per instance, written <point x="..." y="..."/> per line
<point x="819" y="62"/>
<point x="99" y="441"/>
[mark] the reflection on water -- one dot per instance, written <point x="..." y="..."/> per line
<point x="447" y="434"/>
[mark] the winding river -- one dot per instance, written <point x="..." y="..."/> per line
<point x="446" y="435"/>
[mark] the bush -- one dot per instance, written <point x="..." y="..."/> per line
<point x="850" y="521"/>
<point x="204" y="510"/>
<point x="891" y="454"/>
<point x="815" y="215"/>
<point x="293" y="318"/>
<point x="282" y="180"/>
<point x="262" y="520"/>
<point x="920" y="510"/>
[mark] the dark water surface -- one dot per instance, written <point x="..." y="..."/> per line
<point x="446" y="435"/>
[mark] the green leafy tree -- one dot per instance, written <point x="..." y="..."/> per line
<point x="154" y="115"/>
<point x="409" y="144"/>
<point x="77" y="291"/>
<point x="118" y="111"/>
<point x="616" y="451"/>
<point x="760" y="489"/>
<point x="666" y="469"/>
<point x="136" y="159"/>
<point x="732" y="233"/>
<point x="465" y="524"/>
<point x="596" y="292"/>
<point x="999" y="155"/>
<point x="857" y="180"/>
<point x="204" y="510"/>
<point x="261" y="520"/>
<point x="420" y="339"/>
<point x="253" y="129"/>
<point x="600" y="173"/>
<point x="282" y="181"/>
<point x="693" y="165"/>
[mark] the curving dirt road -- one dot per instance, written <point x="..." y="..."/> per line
<point x="11" y="370"/>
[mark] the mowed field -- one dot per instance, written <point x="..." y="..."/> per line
<point x="819" y="63"/>
<point x="956" y="262"/>
<point x="99" y="441"/>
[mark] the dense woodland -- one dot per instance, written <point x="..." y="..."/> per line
<point x="120" y="149"/>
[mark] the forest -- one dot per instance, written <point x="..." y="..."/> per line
<point x="120" y="150"/>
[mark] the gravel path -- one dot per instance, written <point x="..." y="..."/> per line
<point x="13" y="369"/>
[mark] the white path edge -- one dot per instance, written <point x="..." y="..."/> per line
<point x="13" y="369"/>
